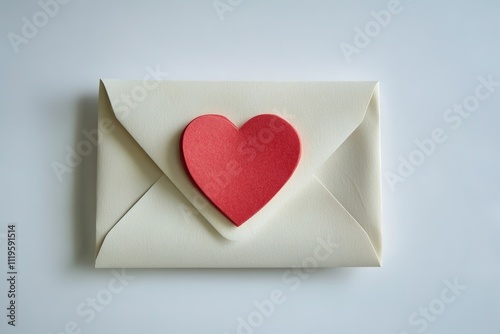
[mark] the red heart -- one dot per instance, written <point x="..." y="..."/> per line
<point x="239" y="171"/>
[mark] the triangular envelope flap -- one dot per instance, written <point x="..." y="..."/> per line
<point x="155" y="114"/>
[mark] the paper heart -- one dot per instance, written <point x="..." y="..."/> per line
<point x="240" y="170"/>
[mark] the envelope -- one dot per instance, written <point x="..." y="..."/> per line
<point x="150" y="214"/>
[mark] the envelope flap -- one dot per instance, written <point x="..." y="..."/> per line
<point x="155" y="114"/>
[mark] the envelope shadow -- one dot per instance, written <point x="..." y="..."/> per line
<point x="246" y="277"/>
<point x="84" y="189"/>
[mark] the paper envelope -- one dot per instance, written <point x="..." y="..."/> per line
<point x="150" y="215"/>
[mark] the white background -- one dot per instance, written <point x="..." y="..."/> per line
<point x="442" y="223"/>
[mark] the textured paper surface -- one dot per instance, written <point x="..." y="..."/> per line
<point x="334" y="193"/>
<point x="240" y="170"/>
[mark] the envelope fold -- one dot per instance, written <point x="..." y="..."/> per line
<point x="352" y="174"/>
<point x="164" y="230"/>
<point x="149" y="214"/>
<point x="324" y="113"/>
<point x="124" y="171"/>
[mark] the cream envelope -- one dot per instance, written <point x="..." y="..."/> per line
<point x="149" y="214"/>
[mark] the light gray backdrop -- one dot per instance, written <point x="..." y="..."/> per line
<point x="440" y="216"/>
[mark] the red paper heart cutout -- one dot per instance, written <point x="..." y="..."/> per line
<point x="240" y="170"/>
